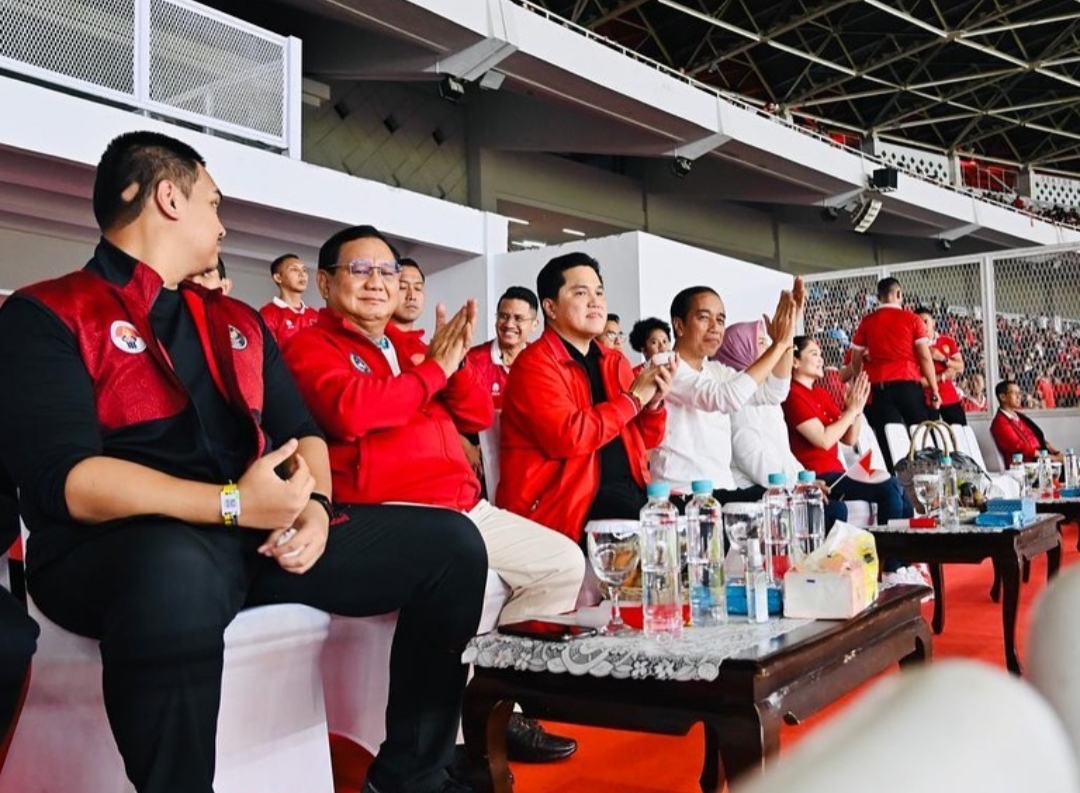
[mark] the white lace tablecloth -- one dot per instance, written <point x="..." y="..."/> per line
<point x="697" y="655"/>
<point x="963" y="528"/>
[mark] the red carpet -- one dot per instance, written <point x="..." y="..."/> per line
<point x="630" y="762"/>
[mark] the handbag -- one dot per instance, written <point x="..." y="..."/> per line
<point x="930" y="441"/>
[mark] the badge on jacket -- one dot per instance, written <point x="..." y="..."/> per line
<point x="126" y="339"/>
<point x="237" y="339"/>
<point x="359" y="363"/>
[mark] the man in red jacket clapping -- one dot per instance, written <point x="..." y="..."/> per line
<point x="392" y="408"/>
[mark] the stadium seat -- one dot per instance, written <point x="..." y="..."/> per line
<point x="898" y="438"/>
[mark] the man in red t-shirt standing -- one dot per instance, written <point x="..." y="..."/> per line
<point x="891" y="344"/>
<point x="287" y="313"/>
<point x="948" y="365"/>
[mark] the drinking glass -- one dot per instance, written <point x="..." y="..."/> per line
<point x="927" y="490"/>
<point x="613" y="554"/>
<point x="743" y="521"/>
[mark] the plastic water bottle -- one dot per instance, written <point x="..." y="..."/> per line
<point x="1070" y="469"/>
<point x="950" y="495"/>
<point x="1044" y="476"/>
<point x="807" y="517"/>
<point x="705" y="557"/>
<point x="757" y="593"/>
<point x="1018" y="472"/>
<point x="661" y="593"/>
<point x="777" y="529"/>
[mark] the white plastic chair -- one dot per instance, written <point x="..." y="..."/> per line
<point x="953" y="725"/>
<point x="898" y="438"/>
<point x="266" y="743"/>
<point x="1053" y="650"/>
<point x="489" y="453"/>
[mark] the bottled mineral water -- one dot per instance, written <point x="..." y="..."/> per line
<point x="950" y="495"/>
<point x="1044" y="476"/>
<point x="1019" y="473"/>
<point x="757" y="593"/>
<point x="807" y="517"/>
<point x="1070" y="469"/>
<point x="661" y="593"/>
<point x="705" y="557"/>
<point x="777" y="529"/>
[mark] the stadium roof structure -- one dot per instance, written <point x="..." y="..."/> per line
<point x="997" y="80"/>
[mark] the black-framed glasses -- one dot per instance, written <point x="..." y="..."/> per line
<point x="517" y="319"/>
<point x="363" y="268"/>
<point x="614" y="335"/>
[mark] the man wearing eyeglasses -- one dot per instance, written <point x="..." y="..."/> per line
<point x="613" y="336"/>
<point x="515" y="321"/>
<point x="287" y="313"/>
<point x="393" y="408"/>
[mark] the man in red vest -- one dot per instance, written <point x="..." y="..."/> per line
<point x="170" y="476"/>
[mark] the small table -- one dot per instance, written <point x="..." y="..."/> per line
<point x="741" y="704"/>
<point x="1008" y="549"/>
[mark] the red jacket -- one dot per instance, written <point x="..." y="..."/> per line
<point x="551" y="433"/>
<point x="391" y="438"/>
<point x="492" y="373"/>
<point x="1016" y="436"/>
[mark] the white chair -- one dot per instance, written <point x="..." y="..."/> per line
<point x="489" y="454"/>
<point x="953" y="725"/>
<point x="272" y="731"/>
<point x="898" y="439"/>
<point x="1053" y="650"/>
<point x="356" y="668"/>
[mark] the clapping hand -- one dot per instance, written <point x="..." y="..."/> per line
<point x="781" y="327"/>
<point x="452" y="338"/>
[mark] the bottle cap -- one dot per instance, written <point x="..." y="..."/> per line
<point x="701" y="486"/>
<point x="658" y="490"/>
<point x="1018" y="458"/>
<point x="946" y="460"/>
<point x="777" y="479"/>
<point x="805" y="477"/>
<point x="1070" y="450"/>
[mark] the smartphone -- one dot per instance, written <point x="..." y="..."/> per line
<point x="546" y="631"/>
<point x="661" y="358"/>
<point x="286" y="469"/>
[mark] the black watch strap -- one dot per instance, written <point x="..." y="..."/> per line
<point x="324" y="502"/>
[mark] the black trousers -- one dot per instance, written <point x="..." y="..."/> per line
<point x="950" y="414"/>
<point x="895" y="402"/>
<point x="158" y="594"/>
<point x="18" y="640"/>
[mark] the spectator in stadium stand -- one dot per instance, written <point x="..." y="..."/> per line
<point x="287" y="313"/>
<point x="516" y="319"/>
<point x="613" y="336"/>
<point x="214" y="278"/>
<point x="816" y="424"/>
<point x="892" y="346"/>
<point x="1044" y="391"/>
<point x="392" y="408"/>
<point x="948" y="365"/>
<point x="974" y="400"/>
<point x="576" y="422"/>
<point x="704" y="392"/>
<point x="648" y="337"/>
<point x="1012" y="431"/>
<point x="411" y="298"/>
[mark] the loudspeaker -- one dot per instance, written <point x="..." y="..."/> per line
<point x="884" y="179"/>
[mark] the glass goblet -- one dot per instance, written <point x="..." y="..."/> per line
<point x="613" y="554"/>
<point x="743" y="521"/>
<point x="927" y="490"/>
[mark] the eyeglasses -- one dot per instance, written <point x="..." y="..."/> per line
<point x="363" y="268"/>
<point x="517" y="319"/>
<point x="614" y="335"/>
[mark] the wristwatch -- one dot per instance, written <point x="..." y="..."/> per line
<point x="324" y="502"/>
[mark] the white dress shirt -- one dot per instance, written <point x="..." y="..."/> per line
<point x="697" y="444"/>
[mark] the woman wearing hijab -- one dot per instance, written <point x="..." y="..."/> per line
<point x="759" y="435"/>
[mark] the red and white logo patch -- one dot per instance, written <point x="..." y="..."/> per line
<point x="125" y="338"/>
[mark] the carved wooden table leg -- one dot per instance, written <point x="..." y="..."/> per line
<point x="1008" y="565"/>
<point x="750" y="735"/>
<point x="485" y="718"/>
<point x="937" y="578"/>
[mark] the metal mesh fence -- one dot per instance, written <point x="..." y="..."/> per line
<point x="1037" y="301"/>
<point x="202" y="65"/>
<point x="833" y="310"/>
<point x="88" y="40"/>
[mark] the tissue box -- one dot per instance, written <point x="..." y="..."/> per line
<point x="1025" y="506"/>
<point x="827" y="596"/>
<point x="836" y="581"/>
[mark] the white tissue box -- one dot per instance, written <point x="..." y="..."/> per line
<point x="827" y="596"/>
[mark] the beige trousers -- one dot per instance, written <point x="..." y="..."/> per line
<point x="542" y="567"/>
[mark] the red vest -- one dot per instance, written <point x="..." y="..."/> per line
<point x="133" y="379"/>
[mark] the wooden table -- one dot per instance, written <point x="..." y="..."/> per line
<point x="786" y="678"/>
<point x="1068" y="508"/>
<point x="1008" y="549"/>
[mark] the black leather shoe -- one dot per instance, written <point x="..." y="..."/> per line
<point x="459" y="766"/>
<point x="528" y="742"/>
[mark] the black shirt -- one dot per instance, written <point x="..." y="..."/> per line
<point x="619" y="495"/>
